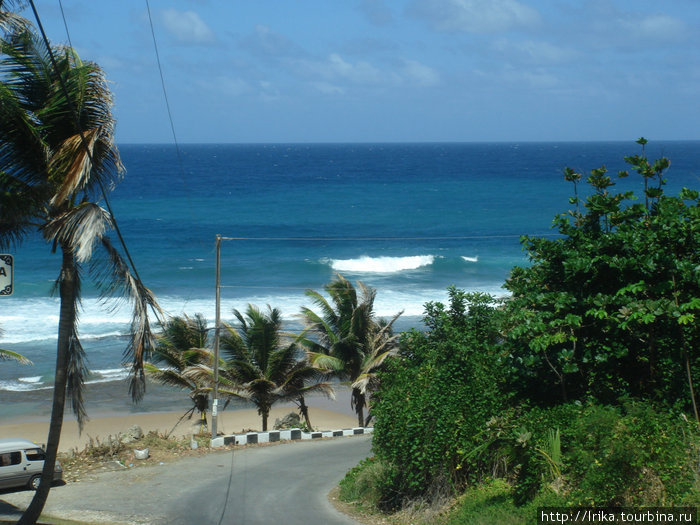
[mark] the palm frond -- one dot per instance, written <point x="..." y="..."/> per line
<point x="116" y="277"/>
<point x="321" y="327"/>
<point x="326" y="362"/>
<point x="328" y="318"/>
<point x="14" y="356"/>
<point x="21" y="206"/>
<point x="9" y="19"/>
<point x="286" y="394"/>
<point x="168" y="377"/>
<point x="182" y="340"/>
<point x="76" y="374"/>
<point x="72" y="162"/>
<point x="80" y="228"/>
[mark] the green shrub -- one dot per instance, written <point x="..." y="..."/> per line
<point x="366" y="483"/>
<point x="634" y="455"/>
<point x="435" y="400"/>
<point x="492" y="502"/>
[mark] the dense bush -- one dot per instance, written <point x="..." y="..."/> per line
<point x="609" y="308"/>
<point x="632" y="455"/>
<point x="438" y="396"/>
<point x="576" y="389"/>
<point x="594" y="455"/>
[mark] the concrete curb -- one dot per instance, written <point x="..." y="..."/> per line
<point x="285" y="435"/>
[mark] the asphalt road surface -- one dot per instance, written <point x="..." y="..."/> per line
<point x="286" y="483"/>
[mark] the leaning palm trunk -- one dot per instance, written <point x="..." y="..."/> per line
<point x="265" y="413"/>
<point x="68" y="287"/>
<point x="304" y="410"/>
<point x="357" y="400"/>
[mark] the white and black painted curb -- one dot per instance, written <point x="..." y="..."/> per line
<point x="292" y="434"/>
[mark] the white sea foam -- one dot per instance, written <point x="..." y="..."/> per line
<point x="32" y="320"/>
<point x="366" y="264"/>
<point x="36" y="320"/>
<point x="14" y="385"/>
<point x="30" y="380"/>
<point x="470" y="259"/>
<point x="107" y="375"/>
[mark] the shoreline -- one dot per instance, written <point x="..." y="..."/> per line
<point x="110" y="412"/>
<point x="229" y="422"/>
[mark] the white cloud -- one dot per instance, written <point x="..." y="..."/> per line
<point x="232" y="86"/>
<point x="420" y="74"/>
<point x="475" y="16"/>
<point x="335" y="74"/>
<point x="360" y="72"/>
<point x="376" y="12"/>
<point x="658" y="28"/>
<point x="187" y="27"/>
<point x="535" y="52"/>
<point x="327" y="88"/>
<point x="266" y="43"/>
<point x="635" y="31"/>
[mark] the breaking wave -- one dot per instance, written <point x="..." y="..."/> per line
<point x="366" y="264"/>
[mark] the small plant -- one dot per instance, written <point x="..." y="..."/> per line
<point x="366" y="483"/>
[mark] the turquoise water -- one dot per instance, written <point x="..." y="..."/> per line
<point x="407" y="219"/>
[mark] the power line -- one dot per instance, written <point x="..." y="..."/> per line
<point x="418" y="238"/>
<point x="178" y="152"/>
<point x="165" y="91"/>
<point x="65" y="24"/>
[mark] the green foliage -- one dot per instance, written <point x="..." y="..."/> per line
<point x="574" y="391"/>
<point x="366" y="482"/>
<point x="492" y="502"/>
<point x="631" y="456"/>
<point x="265" y="365"/>
<point x="435" y="400"/>
<point x="594" y="455"/>
<point x="179" y="347"/>
<point x="349" y="341"/>
<point x="524" y="447"/>
<point x="609" y="308"/>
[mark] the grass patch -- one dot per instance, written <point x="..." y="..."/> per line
<point x="487" y="504"/>
<point x="492" y="502"/>
<point x="362" y="484"/>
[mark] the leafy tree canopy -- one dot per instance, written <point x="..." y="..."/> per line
<point x="609" y="308"/>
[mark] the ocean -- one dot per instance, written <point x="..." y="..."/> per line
<point x="407" y="219"/>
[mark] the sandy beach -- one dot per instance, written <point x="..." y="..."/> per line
<point x="26" y="414"/>
<point x="229" y="422"/>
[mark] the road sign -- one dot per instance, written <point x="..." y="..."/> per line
<point x="6" y="271"/>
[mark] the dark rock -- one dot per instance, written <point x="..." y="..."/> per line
<point x="291" y="420"/>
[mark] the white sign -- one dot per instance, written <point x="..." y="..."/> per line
<point x="6" y="267"/>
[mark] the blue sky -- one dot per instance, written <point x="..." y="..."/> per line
<point x="394" y="70"/>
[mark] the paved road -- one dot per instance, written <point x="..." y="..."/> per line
<point x="286" y="483"/>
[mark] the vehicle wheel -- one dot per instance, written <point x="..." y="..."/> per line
<point x="34" y="482"/>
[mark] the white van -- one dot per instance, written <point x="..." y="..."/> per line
<point x="21" y="463"/>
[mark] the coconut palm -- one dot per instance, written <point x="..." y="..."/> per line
<point x="181" y="344"/>
<point x="57" y="156"/>
<point x="349" y="340"/>
<point x="264" y="365"/>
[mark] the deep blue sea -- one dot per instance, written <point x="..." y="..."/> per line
<point x="407" y="219"/>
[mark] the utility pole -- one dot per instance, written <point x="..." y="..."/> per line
<point x="215" y="393"/>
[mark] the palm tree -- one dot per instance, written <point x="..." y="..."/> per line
<point x="264" y="365"/>
<point x="57" y="154"/>
<point x="349" y="340"/>
<point x="180" y="345"/>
